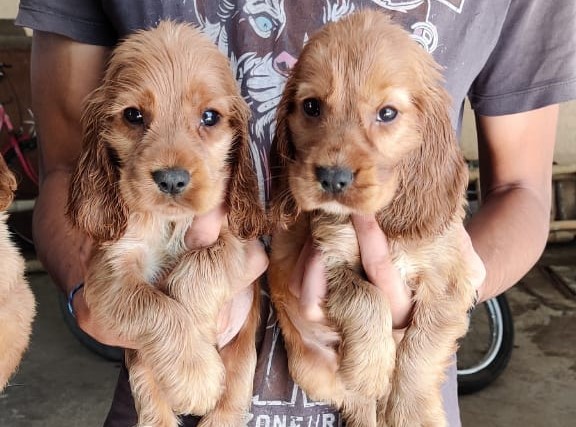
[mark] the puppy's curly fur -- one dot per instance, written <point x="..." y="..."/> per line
<point x="165" y="140"/>
<point x="364" y="127"/>
<point x="17" y="306"/>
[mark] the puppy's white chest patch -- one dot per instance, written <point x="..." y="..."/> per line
<point x="155" y="252"/>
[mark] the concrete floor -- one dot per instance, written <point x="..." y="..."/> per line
<point x="61" y="383"/>
<point x="538" y="388"/>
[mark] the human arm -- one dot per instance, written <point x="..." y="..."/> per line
<point x="57" y="96"/>
<point x="510" y="229"/>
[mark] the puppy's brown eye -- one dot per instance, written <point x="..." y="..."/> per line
<point x="311" y="107"/>
<point x="133" y="116"/>
<point x="387" y="114"/>
<point x="210" y="118"/>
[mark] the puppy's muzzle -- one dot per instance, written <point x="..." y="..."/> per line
<point x="335" y="179"/>
<point x="171" y="181"/>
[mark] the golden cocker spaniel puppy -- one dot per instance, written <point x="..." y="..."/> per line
<point x="17" y="306"/>
<point x="364" y="127"/>
<point x="165" y="139"/>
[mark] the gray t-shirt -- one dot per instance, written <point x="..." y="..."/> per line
<point x="508" y="56"/>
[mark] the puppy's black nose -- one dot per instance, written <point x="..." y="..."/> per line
<point x="334" y="179"/>
<point x="171" y="181"/>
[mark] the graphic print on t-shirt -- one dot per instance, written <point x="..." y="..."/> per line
<point x="277" y="401"/>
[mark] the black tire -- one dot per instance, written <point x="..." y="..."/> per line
<point x="114" y="354"/>
<point x="485" y="351"/>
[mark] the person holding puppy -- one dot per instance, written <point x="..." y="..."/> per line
<point x="514" y="60"/>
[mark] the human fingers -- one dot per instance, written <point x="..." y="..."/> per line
<point x="86" y="250"/>
<point x="308" y="283"/>
<point x="475" y="263"/>
<point x="380" y="270"/>
<point x="256" y="263"/>
<point x="233" y="315"/>
<point x="205" y="228"/>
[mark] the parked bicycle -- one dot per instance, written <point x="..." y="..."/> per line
<point x="19" y="149"/>
<point x="487" y="347"/>
<point x="19" y="140"/>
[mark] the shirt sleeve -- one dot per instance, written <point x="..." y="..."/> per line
<point x="534" y="62"/>
<point x="84" y="21"/>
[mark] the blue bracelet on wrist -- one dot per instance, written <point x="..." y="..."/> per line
<point x="71" y="298"/>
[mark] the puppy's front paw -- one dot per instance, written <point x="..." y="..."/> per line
<point x="190" y="374"/>
<point x="217" y="419"/>
<point x="156" y="420"/>
<point x="198" y="380"/>
<point x="369" y="375"/>
<point x="368" y="353"/>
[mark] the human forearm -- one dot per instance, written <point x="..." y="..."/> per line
<point x="56" y="100"/>
<point x="510" y="230"/>
<point x="509" y="233"/>
<point x="60" y="248"/>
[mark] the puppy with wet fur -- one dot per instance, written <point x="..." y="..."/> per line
<point x="17" y="305"/>
<point x="364" y="127"/>
<point x="165" y="140"/>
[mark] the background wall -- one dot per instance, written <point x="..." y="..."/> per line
<point x="565" y="152"/>
<point x="8" y="9"/>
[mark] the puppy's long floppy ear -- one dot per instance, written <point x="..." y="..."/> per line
<point x="7" y="185"/>
<point x="246" y="216"/>
<point x="432" y="181"/>
<point x="95" y="205"/>
<point x="283" y="209"/>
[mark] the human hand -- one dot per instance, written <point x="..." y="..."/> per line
<point x="308" y="281"/>
<point x="204" y="232"/>
<point x="309" y="285"/>
<point x="380" y="270"/>
<point x="382" y="273"/>
<point x="476" y="266"/>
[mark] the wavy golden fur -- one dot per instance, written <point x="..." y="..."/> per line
<point x="165" y="139"/>
<point x="17" y="306"/>
<point x="364" y="127"/>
